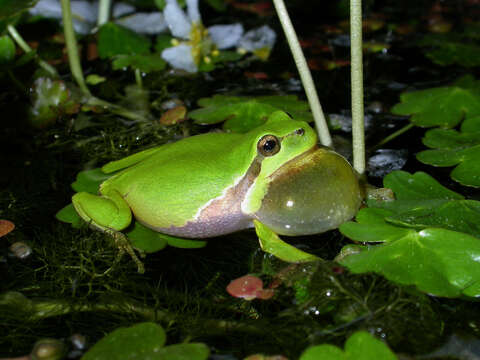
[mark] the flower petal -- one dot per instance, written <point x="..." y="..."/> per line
<point x="177" y="21"/>
<point x="180" y="57"/>
<point x="259" y="38"/>
<point x="226" y="36"/>
<point x="193" y="11"/>
<point x="144" y="23"/>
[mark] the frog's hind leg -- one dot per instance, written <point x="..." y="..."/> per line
<point x="108" y="213"/>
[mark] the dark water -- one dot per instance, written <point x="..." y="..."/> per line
<point x="73" y="273"/>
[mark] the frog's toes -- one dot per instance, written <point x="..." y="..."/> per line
<point x="124" y="246"/>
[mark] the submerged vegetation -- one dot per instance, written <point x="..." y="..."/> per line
<point x="408" y="283"/>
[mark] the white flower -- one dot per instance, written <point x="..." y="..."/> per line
<point x="196" y="43"/>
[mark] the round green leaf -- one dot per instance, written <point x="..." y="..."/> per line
<point x="116" y="40"/>
<point x="11" y="7"/>
<point x="7" y="49"/>
<point x="139" y="342"/>
<point x="441" y="106"/>
<point x="360" y="346"/>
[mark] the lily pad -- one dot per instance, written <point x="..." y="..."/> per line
<point x="442" y="106"/>
<point x="144" y="341"/>
<point x="90" y="180"/>
<point x="242" y="113"/>
<point x="143" y="62"/>
<point x="69" y="215"/>
<point x="360" y="346"/>
<point x="115" y="40"/>
<point x="7" y="49"/>
<point x="453" y="148"/>
<point x="12" y="7"/>
<point x="452" y="48"/>
<point x="426" y="240"/>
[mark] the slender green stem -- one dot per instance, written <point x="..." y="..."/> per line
<point x="138" y="78"/>
<point x="104" y="7"/>
<point x="72" y="49"/>
<point x="394" y="135"/>
<point x="116" y="109"/>
<point x="25" y="47"/>
<point x="304" y="72"/>
<point x="357" y="86"/>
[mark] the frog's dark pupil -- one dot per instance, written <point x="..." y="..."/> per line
<point x="269" y="145"/>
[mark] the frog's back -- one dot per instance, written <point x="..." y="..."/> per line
<point x="170" y="186"/>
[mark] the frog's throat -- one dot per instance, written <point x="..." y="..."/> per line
<point x="254" y="197"/>
<point x="222" y="215"/>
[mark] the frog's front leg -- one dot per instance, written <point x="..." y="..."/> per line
<point x="109" y="213"/>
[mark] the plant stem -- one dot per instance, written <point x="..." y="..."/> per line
<point x="104" y="7"/>
<point x="304" y="72"/>
<point x="72" y="49"/>
<point x="25" y="47"/>
<point x="138" y="78"/>
<point x="357" y="86"/>
<point x="394" y="135"/>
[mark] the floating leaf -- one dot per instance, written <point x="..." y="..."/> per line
<point x="272" y="244"/>
<point x="455" y="148"/>
<point x="90" y="180"/>
<point x="116" y="40"/>
<point x="143" y="341"/>
<point x="360" y="346"/>
<point x="145" y="63"/>
<point x="442" y="106"/>
<point x="426" y="235"/>
<point x="452" y="48"/>
<point x="11" y="7"/>
<point x="242" y="113"/>
<point x="7" y="49"/>
<point x="69" y="215"/>
<point x="145" y="239"/>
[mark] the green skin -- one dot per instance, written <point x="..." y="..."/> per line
<point x="173" y="188"/>
<point x="274" y="178"/>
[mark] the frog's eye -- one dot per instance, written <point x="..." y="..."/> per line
<point x="268" y="145"/>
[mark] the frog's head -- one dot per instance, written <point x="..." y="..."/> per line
<point x="300" y="188"/>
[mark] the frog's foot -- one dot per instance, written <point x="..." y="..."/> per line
<point x="124" y="246"/>
<point x="272" y="244"/>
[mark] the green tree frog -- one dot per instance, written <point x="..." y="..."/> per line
<point x="217" y="183"/>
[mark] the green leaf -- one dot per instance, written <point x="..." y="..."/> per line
<point x="145" y="63"/>
<point x="90" y="180"/>
<point x="272" y="244"/>
<point x="360" y="346"/>
<point x="69" y="215"/>
<point x="141" y="341"/>
<point x="417" y="186"/>
<point x="145" y="239"/>
<point x="441" y="106"/>
<point x="7" y="49"/>
<point x="242" y="113"/>
<point x="11" y="7"/>
<point x="438" y="261"/>
<point x="455" y="148"/>
<point x="183" y="243"/>
<point x="192" y="351"/>
<point x="162" y="42"/>
<point x="426" y="235"/>
<point x="116" y="40"/>
<point x="452" y="48"/>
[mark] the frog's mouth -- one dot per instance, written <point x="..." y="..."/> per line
<point x="299" y="163"/>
